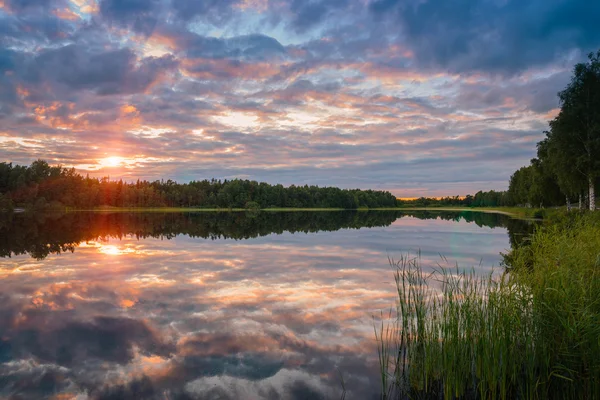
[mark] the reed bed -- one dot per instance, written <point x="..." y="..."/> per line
<point x="532" y="333"/>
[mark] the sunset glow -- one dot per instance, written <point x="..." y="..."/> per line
<point x="113" y="250"/>
<point x="113" y="161"/>
<point x="375" y="94"/>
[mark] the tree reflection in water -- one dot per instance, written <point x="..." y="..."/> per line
<point x="40" y="235"/>
<point x="211" y="305"/>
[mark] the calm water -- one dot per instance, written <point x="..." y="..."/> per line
<point x="212" y="306"/>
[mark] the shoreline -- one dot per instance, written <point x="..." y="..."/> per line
<point x="511" y="212"/>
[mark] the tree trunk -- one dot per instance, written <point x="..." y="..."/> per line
<point x="580" y="203"/>
<point x="568" y="204"/>
<point x="592" y="194"/>
<point x="586" y="201"/>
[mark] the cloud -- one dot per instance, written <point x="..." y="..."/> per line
<point x="286" y="384"/>
<point x="335" y="93"/>
<point x="538" y="94"/>
<point x="307" y="14"/>
<point x="72" y="343"/>
<point x="25" y="5"/>
<point x="255" y="47"/>
<point x="33" y="29"/>
<point x="74" y="67"/>
<point x="135" y="389"/>
<point x="498" y="37"/>
<point x="140" y="15"/>
<point x="214" y="11"/>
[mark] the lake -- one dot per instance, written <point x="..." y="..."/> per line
<point x="214" y="305"/>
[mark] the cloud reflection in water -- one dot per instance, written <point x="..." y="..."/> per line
<point x="273" y="316"/>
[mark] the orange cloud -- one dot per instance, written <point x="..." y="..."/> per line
<point x="66" y="13"/>
<point x="52" y="115"/>
<point x="128" y="109"/>
<point x="551" y="114"/>
<point x="86" y="6"/>
<point x="126" y="303"/>
<point x="22" y="91"/>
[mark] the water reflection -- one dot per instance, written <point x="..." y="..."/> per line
<point x="130" y="314"/>
<point x="40" y="235"/>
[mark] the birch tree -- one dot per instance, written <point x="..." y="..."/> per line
<point x="575" y="133"/>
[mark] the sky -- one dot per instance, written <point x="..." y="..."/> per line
<point x="418" y="97"/>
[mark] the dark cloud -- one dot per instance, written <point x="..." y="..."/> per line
<point x="258" y="47"/>
<point x="214" y="11"/>
<point x="140" y="15"/>
<point x="74" y="67"/>
<point x="247" y="47"/>
<point x="36" y="383"/>
<point x="536" y="95"/>
<point x="24" y="5"/>
<point x="141" y="388"/>
<point x="35" y="29"/>
<point x="500" y="37"/>
<point x="104" y="338"/>
<point x="307" y="14"/>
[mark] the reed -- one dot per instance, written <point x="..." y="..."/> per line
<point x="532" y="333"/>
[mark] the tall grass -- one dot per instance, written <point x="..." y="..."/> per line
<point x="533" y="333"/>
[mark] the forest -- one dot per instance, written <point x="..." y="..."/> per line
<point x="41" y="186"/>
<point x="491" y="198"/>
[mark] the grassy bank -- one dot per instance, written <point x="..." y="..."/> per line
<point x="517" y="212"/>
<point x="533" y="333"/>
<point x="514" y="212"/>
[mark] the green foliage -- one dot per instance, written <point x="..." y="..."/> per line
<point x="534" y="186"/>
<point x="557" y="161"/>
<point x="570" y="153"/>
<point x="561" y="268"/>
<point x="457" y="335"/>
<point x="530" y="334"/>
<point x="577" y="127"/>
<point x="539" y="214"/>
<point x="490" y="198"/>
<point x="6" y="204"/>
<point x="568" y="163"/>
<point x="252" y="205"/>
<point x="27" y="185"/>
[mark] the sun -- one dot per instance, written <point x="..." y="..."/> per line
<point x="113" y="161"/>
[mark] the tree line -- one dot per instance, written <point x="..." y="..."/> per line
<point x="491" y="198"/>
<point x="567" y="166"/>
<point x="41" y="186"/>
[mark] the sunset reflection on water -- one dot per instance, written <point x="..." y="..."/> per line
<point x="274" y="316"/>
